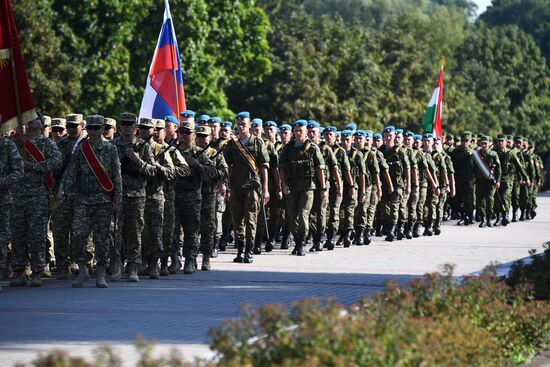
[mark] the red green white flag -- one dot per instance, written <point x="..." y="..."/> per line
<point x="432" y="119"/>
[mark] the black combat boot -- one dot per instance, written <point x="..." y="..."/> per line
<point x="270" y="244"/>
<point x="164" y="266"/>
<point x="329" y="245"/>
<point x="522" y="215"/>
<point x="528" y="214"/>
<point x="360" y="236"/>
<point x="399" y="232"/>
<point x="514" y="215"/>
<point x="482" y="224"/>
<point x="489" y="223"/>
<point x="505" y="220"/>
<point x="154" y="271"/>
<point x="367" y="236"/>
<point x="428" y="228"/>
<point x="188" y="265"/>
<point x="214" y="248"/>
<point x="391" y="233"/>
<point x="257" y="246"/>
<point x="300" y="247"/>
<point x="408" y="230"/>
<point x="346" y="238"/>
<point x="437" y="227"/>
<point x="533" y="213"/>
<point x="222" y="244"/>
<point x="240" y="250"/>
<point x="378" y="229"/>
<point x="498" y="220"/>
<point x="462" y="220"/>
<point x="416" y="230"/>
<point x="284" y="240"/>
<point x="248" y="254"/>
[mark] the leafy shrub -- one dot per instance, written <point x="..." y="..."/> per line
<point x="536" y="273"/>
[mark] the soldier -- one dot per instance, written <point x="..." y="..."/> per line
<point x="273" y="208"/>
<point x="463" y="166"/>
<point x="62" y="216"/>
<point x="444" y="171"/>
<point x="211" y="186"/>
<point x="11" y="172"/>
<point x="301" y="163"/>
<point x="224" y="221"/>
<point x="377" y="142"/>
<point x="94" y="176"/>
<point x="412" y="202"/>
<point x="248" y="163"/>
<point x="285" y="133"/>
<point x="154" y="204"/>
<point x="215" y="125"/>
<point x="109" y="129"/>
<point x="59" y="128"/>
<point x="47" y="126"/>
<point x="136" y="164"/>
<point x="188" y="195"/>
<point x="399" y="171"/>
<point x="29" y="218"/>
<point x="487" y="178"/>
<point x="403" y="206"/>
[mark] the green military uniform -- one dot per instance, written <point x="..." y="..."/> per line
<point x="403" y="206"/>
<point x="443" y="170"/>
<point x="485" y="186"/>
<point x="223" y="214"/>
<point x="349" y="202"/>
<point x="463" y="166"/>
<point x="426" y="166"/>
<point x="299" y="162"/>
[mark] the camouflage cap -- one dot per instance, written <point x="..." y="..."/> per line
<point x="466" y="135"/>
<point x="74" y="118"/>
<point x="204" y="130"/>
<point x="501" y="137"/>
<point x="110" y="122"/>
<point x="484" y="138"/>
<point x="95" y="120"/>
<point x="509" y="137"/>
<point x="59" y="122"/>
<point x="127" y="116"/>
<point x="147" y="122"/>
<point x="47" y="120"/>
<point x="187" y="125"/>
<point x="160" y="124"/>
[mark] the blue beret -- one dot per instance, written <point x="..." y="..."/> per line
<point x="417" y="137"/>
<point x="270" y="123"/>
<point x="377" y="136"/>
<point x="351" y="126"/>
<point x="257" y="122"/>
<point x="369" y="133"/>
<point x="329" y="129"/>
<point x="429" y="135"/>
<point x="285" y="127"/>
<point x="389" y="129"/>
<point x="171" y="119"/>
<point x="398" y="131"/>
<point x="215" y="120"/>
<point x="312" y="124"/>
<point x="321" y="130"/>
<point x="360" y="133"/>
<point x="187" y="113"/>
<point x="203" y="118"/>
<point x="339" y="133"/>
<point x="300" y="123"/>
<point x="226" y="124"/>
<point x="437" y="138"/>
<point x="409" y="134"/>
<point x="346" y="133"/>
<point x="243" y="115"/>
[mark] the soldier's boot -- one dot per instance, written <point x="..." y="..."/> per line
<point x="505" y="219"/>
<point x="35" y="280"/>
<point x="257" y="247"/>
<point x="215" y="248"/>
<point x="533" y="213"/>
<point x="360" y="236"/>
<point x="416" y="230"/>
<point x="391" y="233"/>
<point x="385" y="229"/>
<point x="489" y="223"/>
<point x="462" y="220"/>
<point x="316" y="244"/>
<point x="399" y="232"/>
<point x="100" y="278"/>
<point x="248" y="254"/>
<point x="437" y="227"/>
<point x="19" y="280"/>
<point x="188" y="265"/>
<point x="83" y="275"/>
<point x="528" y="213"/>
<point x="133" y="273"/>
<point x="116" y="270"/>
<point x="346" y="238"/>
<point x="205" y="263"/>
<point x="408" y="230"/>
<point x="428" y="228"/>
<point x="329" y="244"/>
<point x="284" y="240"/>
<point x="164" y="267"/>
<point x="482" y="224"/>
<point x="522" y="215"/>
<point x="63" y="273"/>
<point x="154" y="271"/>
<point x="367" y="237"/>
<point x="240" y="249"/>
<point x="498" y="220"/>
<point x="46" y="273"/>
<point x="222" y="244"/>
<point x="514" y="215"/>
<point x="300" y="248"/>
<point x="270" y="245"/>
<point x="175" y="265"/>
<point x="378" y="230"/>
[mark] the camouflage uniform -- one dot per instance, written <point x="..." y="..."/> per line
<point x="11" y="171"/>
<point x="334" y="199"/>
<point x="223" y="214"/>
<point x="349" y="202"/>
<point x="364" y="214"/>
<point x="485" y="188"/>
<point x="463" y="166"/>
<point x="439" y="202"/>
<point x="403" y="206"/>
<point x="29" y="220"/>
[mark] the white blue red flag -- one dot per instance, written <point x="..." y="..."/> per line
<point x="164" y="95"/>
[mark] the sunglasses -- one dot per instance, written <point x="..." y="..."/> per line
<point x="93" y="127"/>
<point x="58" y="129"/>
<point x="127" y="123"/>
<point x="185" y="132"/>
<point x="72" y="126"/>
<point x="158" y="129"/>
<point x="107" y="127"/>
<point x="141" y="127"/>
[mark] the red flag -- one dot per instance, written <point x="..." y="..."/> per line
<point x="16" y="97"/>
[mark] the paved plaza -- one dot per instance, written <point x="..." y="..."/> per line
<point x="178" y="310"/>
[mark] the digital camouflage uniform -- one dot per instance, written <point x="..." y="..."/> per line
<point x="29" y="219"/>
<point x="11" y="172"/>
<point x="512" y="170"/>
<point x="223" y="213"/>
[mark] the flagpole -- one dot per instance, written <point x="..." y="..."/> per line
<point x="173" y="68"/>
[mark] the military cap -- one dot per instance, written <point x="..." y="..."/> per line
<point x="312" y="124"/>
<point x="160" y="124"/>
<point x="187" y="126"/>
<point x="110" y="122"/>
<point x="483" y="138"/>
<point x="509" y="137"/>
<point x="518" y="138"/>
<point x="129" y="117"/>
<point x="346" y="133"/>
<point x="146" y="121"/>
<point x="501" y="137"/>
<point x="95" y="120"/>
<point x="227" y="124"/>
<point x="369" y="133"/>
<point x="74" y="118"/>
<point x="59" y="122"/>
<point x="187" y="113"/>
<point x="285" y="127"/>
<point x="398" y="131"/>
<point x="449" y="136"/>
<point x="300" y="123"/>
<point x="203" y="119"/>
<point x="377" y="136"/>
<point x="408" y="134"/>
<point x="242" y="115"/>
<point x="360" y="133"/>
<point x="338" y="133"/>
<point x="204" y="130"/>
<point x="351" y="126"/>
<point x="389" y="129"/>
<point x="215" y="120"/>
<point x="321" y="130"/>
<point x="329" y="129"/>
<point x="437" y="138"/>
<point x="47" y="121"/>
<point x="270" y="124"/>
<point x="428" y="135"/>
<point x="417" y="137"/>
<point x="257" y="122"/>
<point x="171" y="119"/>
<point x="466" y="135"/>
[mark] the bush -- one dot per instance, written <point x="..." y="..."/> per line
<point x="536" y="273"/>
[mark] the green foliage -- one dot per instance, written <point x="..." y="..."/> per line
<point x="535" y="273"/>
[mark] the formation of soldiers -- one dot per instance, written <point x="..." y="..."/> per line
<point x="138" y="197"/>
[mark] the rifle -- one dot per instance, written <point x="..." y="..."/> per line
<point x="126" y="165"/>
<point x="161" y="153"/>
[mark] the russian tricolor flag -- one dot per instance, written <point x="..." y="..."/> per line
<point x="164" y="95"/>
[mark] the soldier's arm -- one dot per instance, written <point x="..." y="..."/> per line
<point x="53" y="159"/>
<point x="407" y="166"/>
<point x="181" y="168"/>
<point x="167" y="168"/>
<point x="15" y="164"/>
<point x="146" y="161"/>
<point x="319" y="164"/>
<point x="116" y="177"/>
<point x="70" y="179"/>
<point x="497" y="170"/>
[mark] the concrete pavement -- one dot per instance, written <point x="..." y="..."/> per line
<point x="178" y="310"/>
